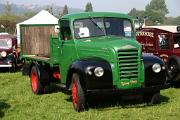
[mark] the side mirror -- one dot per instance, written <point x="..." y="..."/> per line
<point x="138" y="24"/>
<point x="56" y="29"/>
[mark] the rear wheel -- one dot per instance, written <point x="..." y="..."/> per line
<point x="36" y="85"/>
<point x="152" y="98"/>
<point x="78" y="96"/>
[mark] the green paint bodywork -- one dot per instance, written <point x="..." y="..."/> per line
<point x="65" y="52"/>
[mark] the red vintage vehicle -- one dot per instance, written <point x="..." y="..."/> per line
<point x="163" y="41"/>
<point x="8" y="51"/>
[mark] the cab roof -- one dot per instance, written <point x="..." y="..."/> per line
<point x="172" y="29"/>
<point x="2" y="36"/>
<point x="95" y="14"/>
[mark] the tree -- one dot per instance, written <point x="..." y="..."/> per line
<point x="158" y="5"/>
<point x="65" y="11"/>
<point x="136" y="13"/>
<point x="7" y="8"/>
<point x="89" y="7"/>
<point x="156" y="11"/>
<point x="172" y="21"/>
<point x="49" y="8"/>
<point x="8" y="19"/>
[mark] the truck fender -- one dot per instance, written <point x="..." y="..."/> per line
<point x="88" y="81"/>
<point x="75" y="67"/>
<point x="43" y="74"/>
<point x="149" y="60"/>
<point x="150" y="75"/>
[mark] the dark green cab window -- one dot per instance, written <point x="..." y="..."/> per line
<point x="65" y="31"/>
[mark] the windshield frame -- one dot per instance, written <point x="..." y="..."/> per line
<point x="105" y="32"/>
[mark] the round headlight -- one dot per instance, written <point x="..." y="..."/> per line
<point x="3" y="53"/>
<point x="156" y="68"/>
<point x="99" y="71"/>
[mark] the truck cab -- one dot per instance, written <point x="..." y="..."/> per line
<point x="164" y="42"/>
<point x="8" y="54"/>
<point x="94" y="53"/>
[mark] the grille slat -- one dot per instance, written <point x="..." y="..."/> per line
<point x="129" y="68"/>
<point x="128" y="64"/>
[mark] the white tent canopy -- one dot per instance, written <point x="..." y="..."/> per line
<point x="43" y="17"/>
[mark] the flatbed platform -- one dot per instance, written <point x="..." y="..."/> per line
<point x="38" y="58"/>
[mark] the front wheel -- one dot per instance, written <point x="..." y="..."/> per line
<point x="78" y="96"/>
<point x="36" y="85"/>
<point x="152" y="98"/>
<point x="173" y="69"/>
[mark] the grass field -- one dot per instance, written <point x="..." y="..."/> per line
<point x="18" y="103"/>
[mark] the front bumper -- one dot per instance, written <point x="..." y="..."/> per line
<point x="2" y="66"/>
<point x="129" y="91"/>
<point x="7" y="61"/>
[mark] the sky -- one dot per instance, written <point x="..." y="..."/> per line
<point x="123" y="6"/>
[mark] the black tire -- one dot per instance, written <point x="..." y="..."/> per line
<point x="173" y="66"/>
<point x="152" y="98"/>
<point x="36" y="85"/>
<point x="13" y="68"/>
<point x="78" y="96"/>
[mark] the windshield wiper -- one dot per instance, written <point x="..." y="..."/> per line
<point x="93" y="21"/>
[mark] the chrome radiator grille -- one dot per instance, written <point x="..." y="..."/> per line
<point x="128" y="64"/>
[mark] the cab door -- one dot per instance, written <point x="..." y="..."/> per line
<point x="164" y="45"/>
<point x="67" y="48"/>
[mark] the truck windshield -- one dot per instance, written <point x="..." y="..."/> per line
<point x="5" y="43"/>
<point x="94" y="27"/>
<point x="177" y="41"/>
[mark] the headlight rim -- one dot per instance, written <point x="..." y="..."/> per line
<point x="3" y="54"/>
<point x="97" y="71"/>
<point x="156" y="68"/>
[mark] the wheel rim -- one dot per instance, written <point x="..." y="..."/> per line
<point x="34" y="80"/>
<point x="74" y="93"/>
<point x="173" y="68"/>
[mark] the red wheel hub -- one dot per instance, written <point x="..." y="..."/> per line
<point x="34" y="81"/>
<point x="74" y="93"/>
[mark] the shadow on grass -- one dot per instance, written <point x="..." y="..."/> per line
<point x="109" y="101"/>
<point x="3" y="106"/>
<point x="54" y="88"/>
<point x="8" y="70"/>
<point x="101" y="102"/>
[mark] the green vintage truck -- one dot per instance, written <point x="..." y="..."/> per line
<point x="93" y="53"/>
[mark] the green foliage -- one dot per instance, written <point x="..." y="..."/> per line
<point x="155" y="11"/>
<point x="89" y="7"/>
<point x="8" y="19"/>
<point x="27" y="15"/>
<point x="172" y="21"/>
<point x="139" y="14"/>
<point x="65" y="11"/>
<point x="155" y="18"/>
<point x="17" y="102"/>
<point x="9" y="22"/>
<point x="158" y="6"/>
